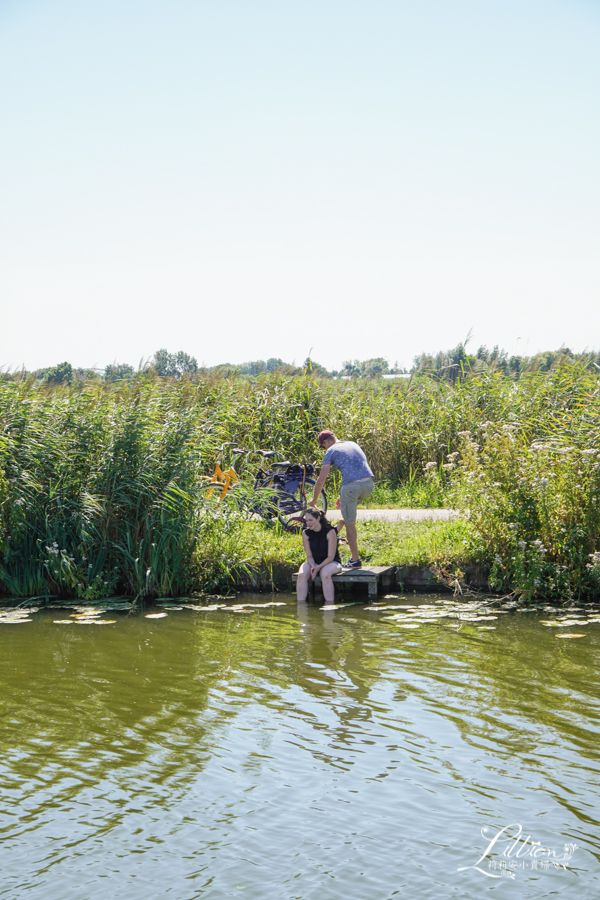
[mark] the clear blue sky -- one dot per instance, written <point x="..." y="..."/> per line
<point x="251" y="179"/>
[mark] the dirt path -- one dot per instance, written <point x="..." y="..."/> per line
<point x="399" y="515"/>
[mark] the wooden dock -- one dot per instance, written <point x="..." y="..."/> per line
<point x="373" y="577"/>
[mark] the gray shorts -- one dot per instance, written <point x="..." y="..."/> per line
<point x="352" y="494"/>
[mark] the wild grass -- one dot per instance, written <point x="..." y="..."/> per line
<point x="535" y="508"/>
<point x="101" y="484"/>
<point x="256" y="554"/>
<point x="414" y="494"/>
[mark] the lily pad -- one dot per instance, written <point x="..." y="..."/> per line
<point x="156" y="615"/>
<point x="271" y="603"/>
<point x="210" y="608"/>
<point x="336" y="606"/>
<point x="570" y="635"/>
<point x="382" y="608"/>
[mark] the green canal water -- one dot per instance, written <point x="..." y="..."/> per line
<point x="299" y="753"/>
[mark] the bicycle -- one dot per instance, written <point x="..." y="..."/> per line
<point x="285" y="487"/>
<point x="220" y="479"/>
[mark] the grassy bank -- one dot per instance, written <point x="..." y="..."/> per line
<point x="101" y="485"/>
<point x="270" y="556"/>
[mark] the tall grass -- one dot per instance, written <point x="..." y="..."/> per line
<point x="101" y="488"/>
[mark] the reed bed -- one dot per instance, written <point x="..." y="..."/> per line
<point x="101" y="487"/>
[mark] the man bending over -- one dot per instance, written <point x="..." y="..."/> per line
<point x="357" y="483"/>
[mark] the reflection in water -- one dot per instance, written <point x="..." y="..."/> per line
<point x="292" y="752"/>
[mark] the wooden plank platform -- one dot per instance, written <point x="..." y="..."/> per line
<point x="373" y="576"/>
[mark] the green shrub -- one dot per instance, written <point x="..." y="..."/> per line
<point x="536" y="508"/>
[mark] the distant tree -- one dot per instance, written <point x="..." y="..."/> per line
<point x="311" y="367"/>
<point x="81" y="374"/>
<point x="515" y="365"/>
<point x="254" y="367"/>
<point x="225" y="370"/>
<point x="351" y="368"/>
<point x="375" y="367"/>
<point x="174" y="365"/>
<point x="60" y="374"/>
<point x="118" y="372"/>
<point x="454" y="364"/>
<point x="368" y="368"/>
<point x="261" y="366"/>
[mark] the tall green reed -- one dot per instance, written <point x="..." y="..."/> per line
<point x="101" y="485"/>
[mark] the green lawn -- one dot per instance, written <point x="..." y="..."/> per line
<point x="274" y="555"/>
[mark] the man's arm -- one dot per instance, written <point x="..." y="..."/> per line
<point x="319" y="485"/>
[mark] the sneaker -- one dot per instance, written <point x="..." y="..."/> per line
<point x="353" y="564"/>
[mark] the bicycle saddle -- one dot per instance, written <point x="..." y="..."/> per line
<point x="267" y="454"/>
<point x="238" y="450"/>
<point x="281" y="464"/>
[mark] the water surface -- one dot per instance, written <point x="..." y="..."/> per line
<point x="295" y="753"/>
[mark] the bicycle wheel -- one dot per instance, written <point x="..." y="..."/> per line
<point x="267" y="506"/>
<point x="292" y="502"/>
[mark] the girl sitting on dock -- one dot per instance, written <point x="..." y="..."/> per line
<point x="320" y="541"/>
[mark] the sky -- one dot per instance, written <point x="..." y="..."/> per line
<point x="244" y="179"/>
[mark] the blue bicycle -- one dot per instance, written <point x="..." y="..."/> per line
<point x="283" y="489"/>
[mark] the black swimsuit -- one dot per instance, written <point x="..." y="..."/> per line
<point x="319" y="546"/>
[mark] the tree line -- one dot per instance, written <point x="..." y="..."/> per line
<point x="450" y="366"/>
